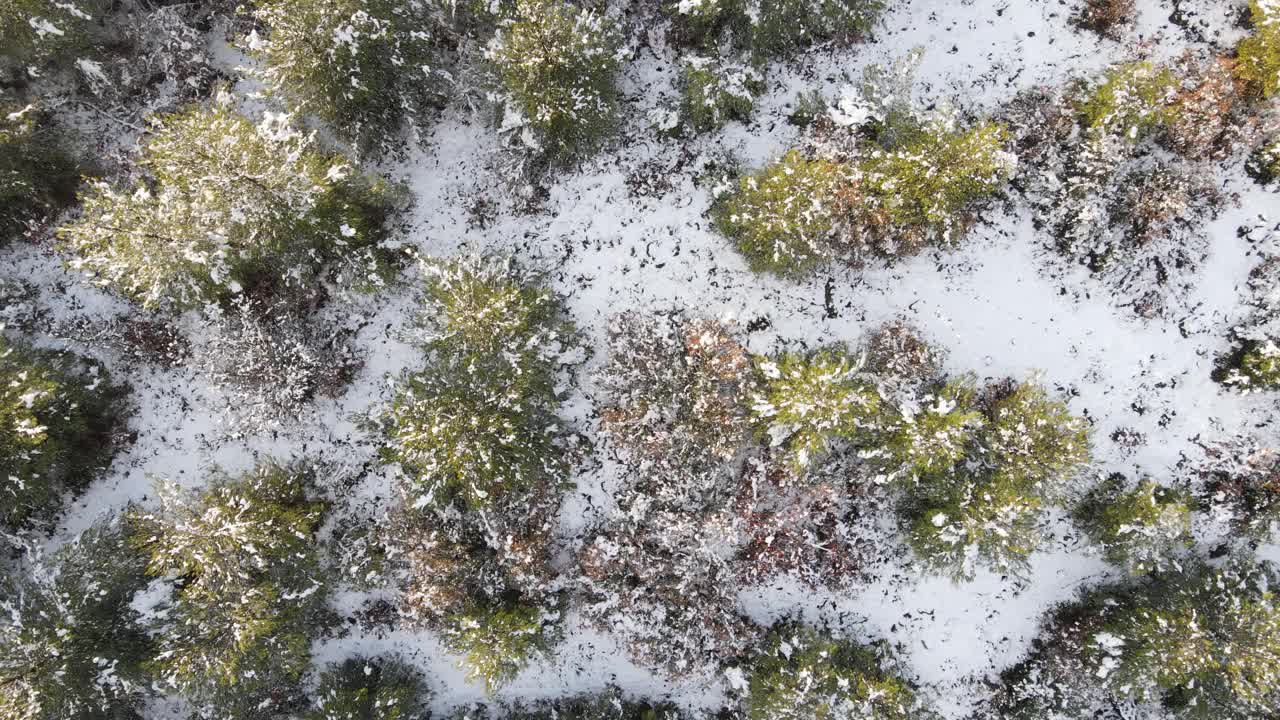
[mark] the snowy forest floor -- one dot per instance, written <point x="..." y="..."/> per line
<point x="628" y="230"/>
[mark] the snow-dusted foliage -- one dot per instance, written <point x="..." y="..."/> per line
<point x="799" y="672"/>
<point x="369" y="688"/>
<point x="496" y="641"/>
<point x="1120" y="169"/>
<point x="37" y="175"/>
<point x="222" y="205"/>
<point x="1264" y="166"/>
<point x="271" y="359"/>
<point x="554" y="64"/>
<point x="59" y="420"/>
<point x="1144" y="528"/>
<point x="770" y="27"/>
<point x="247" y="593"/>
<point x="38" y="31"/>
<point x="983" y="507"/>
<point x="1239" y="485"/>
<point x="1254" y="363"/>
<point x="367" y="68"/>
<point x="1258" y="56"/>
<point x="71" y="644"/>
<point x="1202" y="643"/>
<point x="1108" y="18"/>
<point x="478" y="422"/>
<point x="716" y="91"/>
<point x="883" y="181"/>
<point x="809" y="400"/>
<point x="609" y="704"/>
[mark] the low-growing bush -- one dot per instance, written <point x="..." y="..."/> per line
<point x="248" y="592"/>
<point x="1143" y="529"/>
<point x="779" y="27"/>
<point x="1108" y="18"/>
<point x="37" y="175"/>
<point x="61" y="416"/>
<point x="498" y="640"/>
<point x="71" y="643"/>
<point x="781" y="218"/>
<point x="800" y="673"/>
<point x="555" y="63"/>
<point x="1258" y="55"/>
<point x="480" y="421"/>
<point x="376" y="72"/>
<point x="226" y="206"/>
<point x="715" y="92"/>
<point x="369" y="688"/>
<point x="609" y="704"/>
<point x="1131" y="100"/>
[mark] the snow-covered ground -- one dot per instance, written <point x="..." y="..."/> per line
<point x="999" y="306"/>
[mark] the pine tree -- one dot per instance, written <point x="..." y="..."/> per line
<point x="715" y="92"/>
<point x="1142" y="529"/>
<point x="800" y="673"/>
<point x="36" y="32"/>
<point x="1131" y="100"/>
<point x="555" y="62"/>
<point x="235" y="639"/>
<point x="480" y="421"/>
<point x="375" y="72"/>
<point x="609" y="704"/>
<point x="811" y="400"/>
<point x="781" y="218"/>
<point x="497" y="640"/>
<point x="226" y="206"/>
<point x="369" y="688"/>
<point x="60" y="415"/>
<point x="71" y="645"/>
<point x="936" y="436"/>
<point x="37" y="175"/>
<point x="1258" y="55"/>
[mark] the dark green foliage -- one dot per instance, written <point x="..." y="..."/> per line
<point x="377" y="688"/>
<point x="609" y="704"/>
<point x="772" y="27"/>
<point x="248" y="589"/>
<point x="497" y="640"/>
<point x="1258" y="55"/>
<point x="367" y="68"/>
<point x="479" y="421"/>
<point x="1142" y="529"/>
<point x="1205" y="643"/>
<point x="982" y="504"/>
<point x="556" y="62"/>
<point x="36" y="32"/>
<point x="715" y="92"/>
<point x="60" y="414"/>
<point x="803" y="674"/>
<point x="228" y="206"/>
<point x="70" y="643"/>
<point x="37" y="175"/>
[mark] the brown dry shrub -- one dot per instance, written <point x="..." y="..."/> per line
<point x="1108" y="18"/>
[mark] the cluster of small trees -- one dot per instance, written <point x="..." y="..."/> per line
<point x="882" y="181"/>
<point x="742" y="467"/>
<point x="1202" y="641"/>
<point x="482" y="459"/>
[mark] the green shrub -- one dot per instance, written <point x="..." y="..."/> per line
<point x="983" y="507"/>
<point x="375" y="71"/>
<point x="70" y="643"/>
<point x="1131" y="100"/>
<point x="249" y="592"/>
<point x="60" y="414"/>
<point x="498" y="640"/>
<point x="37" y="176"/>
<point x="379" y="688"/>
<point x="781" y="218"/>
<point x="779" y="27"/>
<point x="937" y="437"/>
<point x="480" y="420"/>
<point x="803" y="674"/>
<point x="810" y="400"/>
<point x="228" y="206"/>
<point x="1265" y="163"/>
<point x="925" y="187"/>
<point x="38" y="31"/>
<point x="1258" y="56"/>
<point x="556" y="64"/>
<point x="1140" y="529"/>
<point x="716" y="92"/>
<point x="609" y="704"/>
